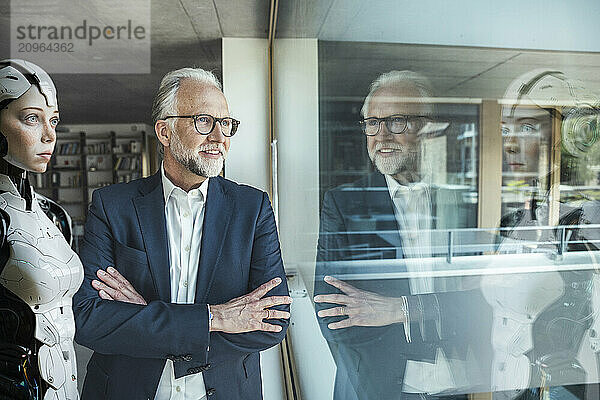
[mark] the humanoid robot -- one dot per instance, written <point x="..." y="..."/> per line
<point x="39" y="272"/>
<point x="541" y="319"/>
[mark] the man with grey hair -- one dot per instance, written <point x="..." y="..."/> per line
<point x="184" y="282"/>
<point x="397" y="154"/>
<point x="391" y="332"/>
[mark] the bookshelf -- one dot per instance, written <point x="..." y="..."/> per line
<point x="88" y="157"/>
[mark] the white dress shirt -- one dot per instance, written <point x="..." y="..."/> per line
<point x="414" y="214"/>
<point x="412" y="208"/>
<point x="184" y="214"/>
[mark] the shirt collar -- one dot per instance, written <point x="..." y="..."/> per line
<point x="395" y="187"/>
<point x="169" y="187"/>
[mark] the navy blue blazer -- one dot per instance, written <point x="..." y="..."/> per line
<point x="126" y="228"/>
<point x="358" y="223"/>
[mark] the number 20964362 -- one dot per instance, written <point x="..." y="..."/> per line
<point x="45" y="47"/>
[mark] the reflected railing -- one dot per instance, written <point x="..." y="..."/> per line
<point x="479" y="241"/>
<point x="526" y="299"/>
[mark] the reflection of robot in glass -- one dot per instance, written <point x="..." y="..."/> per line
<point x="524" y="132"/>
<point x="540" y="319"/>
<point x="39" y="273"/>
<point x="526" y="135"/>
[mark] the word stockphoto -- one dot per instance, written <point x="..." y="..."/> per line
<point x="81" y="32"/>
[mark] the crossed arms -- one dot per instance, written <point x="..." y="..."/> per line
<point x="149" y="328"/>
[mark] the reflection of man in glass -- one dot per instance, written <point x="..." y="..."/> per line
<point x="391" y="337"/>
<point x="540" y="319"/>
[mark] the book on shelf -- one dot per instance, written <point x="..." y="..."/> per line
<point x="127" y="163"/>
<point x="133" y="147"/>
<point x="54" y="180"/>
<point x="98" y="148"/>
<point x="98" y="162"/>
<point x="136" y="147"/>
<point x="70" y="148"/>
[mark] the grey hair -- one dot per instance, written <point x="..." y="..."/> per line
<point x="165" y="101"/>
<point x="398" y="79"/>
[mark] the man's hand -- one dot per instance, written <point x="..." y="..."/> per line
<point x="246" y="313"/>
<point x="362" y="308"/>
<point x="113" y="286"/>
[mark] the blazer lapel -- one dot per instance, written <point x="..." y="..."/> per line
<point x="150" y="208"/>
<point x="217" y="216"/>
<point x="380" y="205"/>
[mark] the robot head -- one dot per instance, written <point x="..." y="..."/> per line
<point x="17" y="76"/>
<point x="579" y="108"/>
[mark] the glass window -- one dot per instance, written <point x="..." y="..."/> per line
<point x="449" y="231"/>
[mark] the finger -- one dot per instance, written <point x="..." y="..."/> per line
<point x="263" y="326"/>
<point x="108" y="279"/>
<point x="97" y="285"/>
<point x="104" y="295"/>
<point x="116" y="295"/>
<point x="120" y="278"/>
<point x="345" y="323"/>
<point x="276" y="314"/>
<point x="111" y="281"/>
<point x="333" y="312"/>
<point x="343" y="286"/>
<point x="129" y="290"/>
<point x="333" y="298"/>
<point x="263" y="289"/>
<point x="268" y="302"/>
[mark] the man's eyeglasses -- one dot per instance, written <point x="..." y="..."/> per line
<point x="205" y="123"/>
<point x="395" y="124"/>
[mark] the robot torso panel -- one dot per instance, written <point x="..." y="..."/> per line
<point x="540" y="319"/>
<point x="43" y="273"/>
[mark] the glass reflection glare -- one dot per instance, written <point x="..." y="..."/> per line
<point x="392" y="326"/>
<point x="407" y="290"/>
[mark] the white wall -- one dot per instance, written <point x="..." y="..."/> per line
<point x="295" y="85"/>
<point x="296" y="90"/>
<point x="245" y="84"/>
<point x="246" y="87"/>
<point x="296" y="97"/>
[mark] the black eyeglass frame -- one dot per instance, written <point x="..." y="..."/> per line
<point x="234" y="123"/>
<point x="388" y="123"/>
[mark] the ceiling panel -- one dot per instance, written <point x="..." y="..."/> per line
<point x="175" y="21"/>
<point x="184" y="33"/>
<point x="562" y="59"/>
<point x="394" y="51"/>
<point x="115" y="98"/>
<point x="346" y="68"/>
<point x="4" y="28"/>
<point x="244" y="18"/>
<point x="302" y="19"/>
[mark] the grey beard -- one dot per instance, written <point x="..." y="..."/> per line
<point x="193" y="161"/>
<point x="403" y="162"/>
